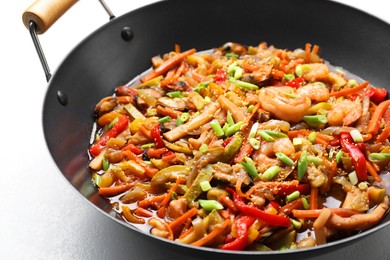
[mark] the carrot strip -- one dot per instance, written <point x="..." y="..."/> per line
<point x="180" y="70"/>
<point x="210" y="236"/>
<point x="143" y="213"/>
<point x="168" y="65"/>
<point x="384" y="135"/>
<point x="187" y="232"/>
<point x="114" y="190"/>
<point x="183" y="218"/>
<point x="314" y="198"/>
<point x="307" y="51"/>
<point x="315" y="49"/>
<point x="177" y="48"/>
<point x="372" y="171"/>
<point x="373" y="125"/>
<point x="168" y="197"/>
<point x="226" y="201"/>
<point x="145" y="203"/>
<point x="349" y="91"/>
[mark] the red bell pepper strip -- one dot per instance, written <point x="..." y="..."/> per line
<point x="113" y="132"/>
<point x="220" y="76"/>
<point x="242" y="227"/>
<point x="271" y="219"/>
<point x="295" y="83"/>
<point x="285" y="189"/>
<point x="133" y="148"/>
<point x="156" y="135"/>
<point x="376" y="95"/>
<point x="358" y="159"/>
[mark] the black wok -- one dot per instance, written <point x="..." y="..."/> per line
<point x="121" y="50"/>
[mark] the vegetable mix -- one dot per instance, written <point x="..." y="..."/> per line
<point x="245" y="148"/>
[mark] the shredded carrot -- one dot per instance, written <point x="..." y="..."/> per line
<point x="183" y="218"/>
<point x="373" y="125"/>
<point x="177" y="48"/>
<point x="226" y="201"/>
<point x="214" y="233"/>
<point x="384" y="135"/>
<point x="168" y="65"/>
<point x="314" y="198"/>
<point x="372" y="171"/>
<point x="114" y="190"/>
<point x="307" y="51"/>
<point x="168" y="197"/>
<point x="177" y="73"/>
<point x="143" y="212"/>
<point x="145" y="203"/>
<point x="315" y="49"/>
<point x="298" y="133"/>
<point x="349" y="91"/>
<point x="186" y="232"/>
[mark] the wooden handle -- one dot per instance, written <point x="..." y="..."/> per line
<point x="44" y="13"/>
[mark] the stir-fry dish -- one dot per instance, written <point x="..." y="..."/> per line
<point x="245" y="148"/>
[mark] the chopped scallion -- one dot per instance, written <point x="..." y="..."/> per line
<point x="254" y="143"/>
<point x="302" y="165"/>
<point x="293" y="196"/>
<point x="231" y="130"/>
<point x="316" y="120"/>
<point x="285" y="159"/>
<point x="270" y="173"/>
<point x="250" y="167"/>
<point x="275" y="133"/>
<point x="113" y="122"/>
<point x="229" y="119"/>
<point x="353" y="177"/>
<point x="378" y="157"/>
<point x="175" y="94"/>
<point x="205" y="185"/>
<point x="244" y="84"/>
<point x="356" y="135"/>
<point x="217" y="128"/>
<point x="266" y="136"/>
<point x="105" y="163"/>
<point x="339" y="154"/>
<point x="164" y="119"/>
<point x="144" y="146"/>
<point x="210" y="205"/>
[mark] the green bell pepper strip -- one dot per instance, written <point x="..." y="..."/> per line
<point x="271" y="219"/>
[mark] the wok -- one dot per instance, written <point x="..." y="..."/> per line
<point x="121" y="49"/>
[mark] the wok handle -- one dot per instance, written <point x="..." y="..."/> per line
<point x="44" y="13"/>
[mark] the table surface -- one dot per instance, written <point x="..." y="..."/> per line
<point x="42" y="216"/>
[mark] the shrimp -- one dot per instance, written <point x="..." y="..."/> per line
<point x="316" y="72"/>
<point x="317" y="91"/>
<point x="279" y="102"/>
<point x="344" y="113"/>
